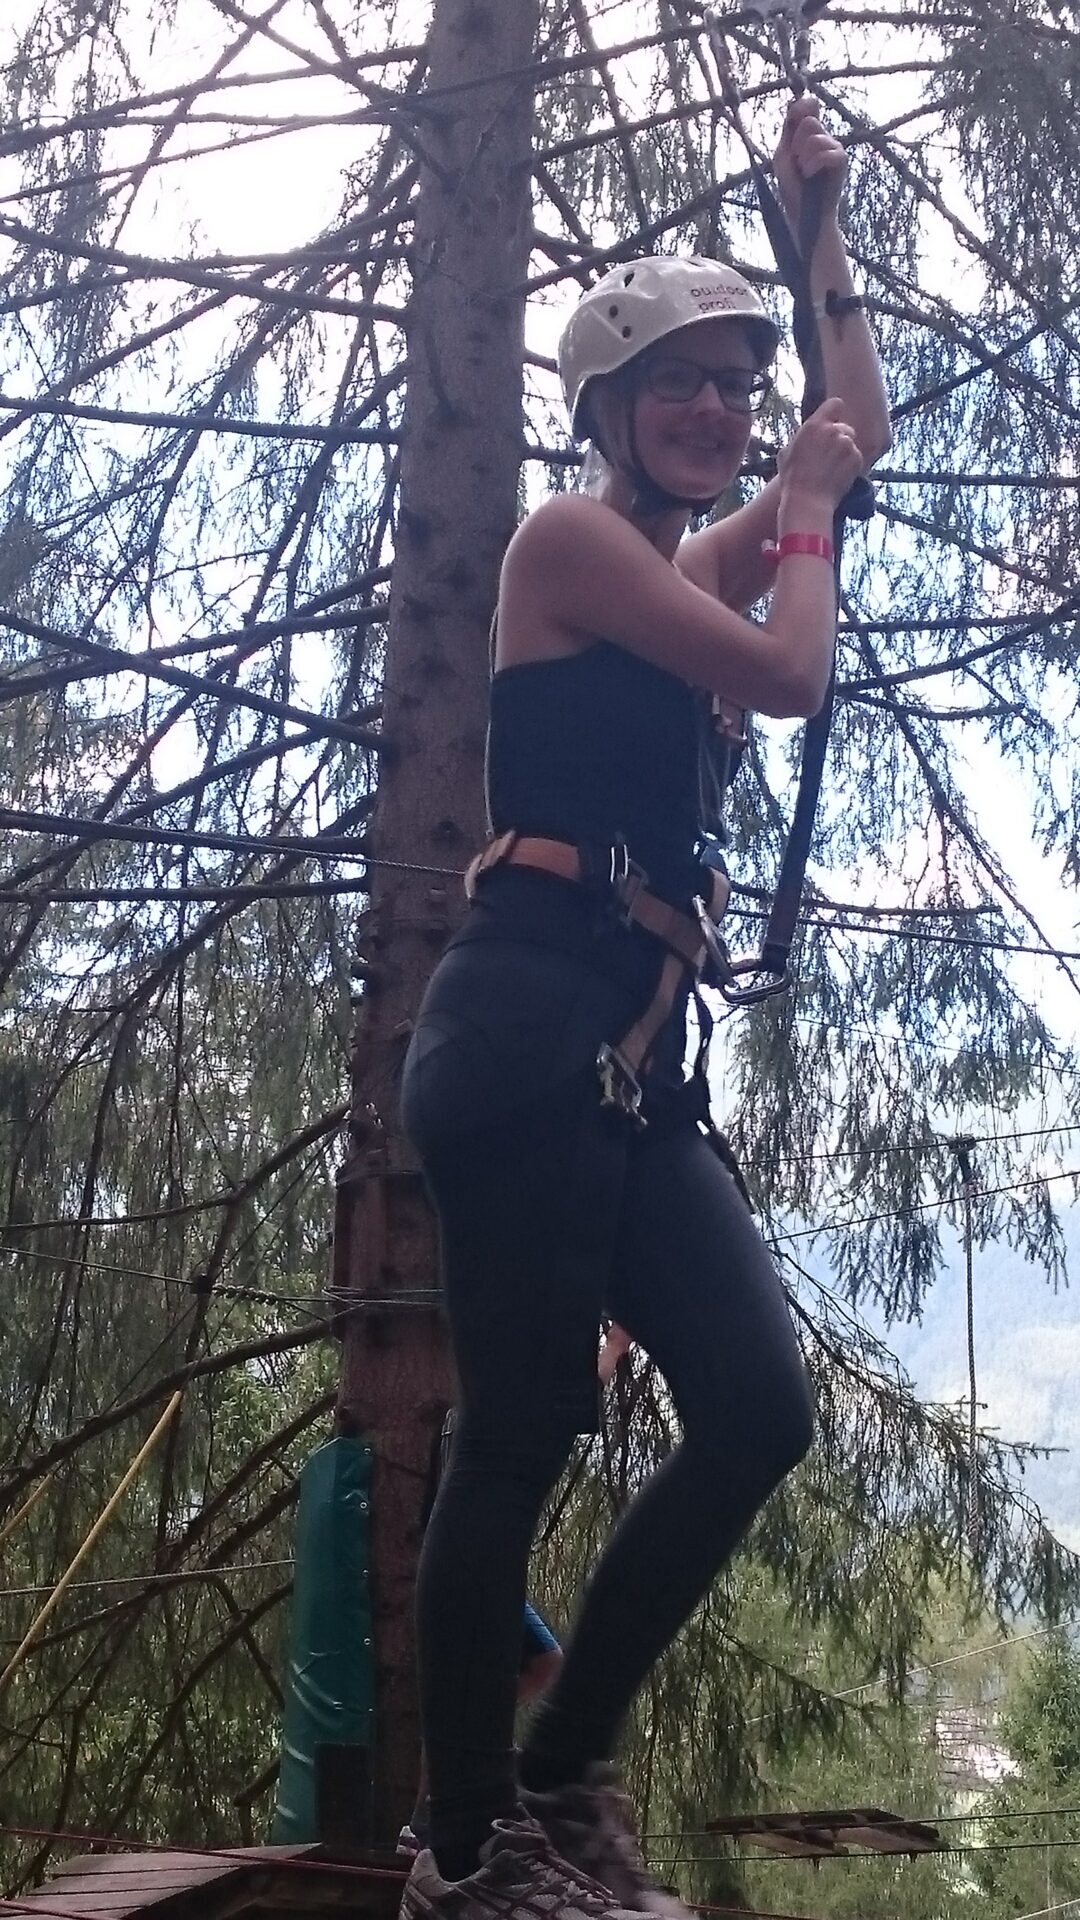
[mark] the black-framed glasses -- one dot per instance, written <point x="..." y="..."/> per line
<point x="669" y="377"/>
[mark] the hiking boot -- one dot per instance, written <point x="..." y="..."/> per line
<point x="591" y="1824"/>
<point x="520" y="1877"/>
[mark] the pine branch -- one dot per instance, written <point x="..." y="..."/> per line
<point x="116" y="660"/>
<point x="211" y="1364"/>
<point x="144" y="267"/>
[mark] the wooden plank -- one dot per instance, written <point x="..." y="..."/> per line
<point x="148" y="1859"/>
<point x="46" y="1901"/>
<point x="148" y="1865"/>
<point x="293" y="1850"/>
<point x="142" y="1886"/>
<point x="824" y="1833"/>
<point x="800" y="1846"/>
<point x="218" y="1886"/>
<point x="109" y="1886"/>
<point x="104" y="1900"/>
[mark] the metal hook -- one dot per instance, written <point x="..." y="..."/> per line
<point x="791" y="21"/>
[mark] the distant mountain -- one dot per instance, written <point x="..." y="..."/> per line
<point x="1027" y="1361"/>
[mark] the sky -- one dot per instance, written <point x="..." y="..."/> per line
<point x="1027" y="1351"/>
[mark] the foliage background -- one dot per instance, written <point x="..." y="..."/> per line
<point x="199" y="439"/>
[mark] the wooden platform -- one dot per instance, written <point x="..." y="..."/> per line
<point x="251" y="1883"/>
<point x="829" y="1834"/>
<point x="299" y="1883"/>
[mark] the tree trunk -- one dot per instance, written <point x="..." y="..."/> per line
<point x="460" y="464"/>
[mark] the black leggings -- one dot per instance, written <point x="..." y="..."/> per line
<point x="552" y="1212"/>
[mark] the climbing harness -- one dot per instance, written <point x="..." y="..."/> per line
<point x="689" y="939"/>
<point x="751" y="978"/>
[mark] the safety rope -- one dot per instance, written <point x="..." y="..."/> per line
<point x="758" y="976"/>
<point x="963" y="1147"/>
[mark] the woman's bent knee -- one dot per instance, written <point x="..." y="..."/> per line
<point x="765" y="1437"/>
<point x="784" y="1432"/>
<point x="793" y="1430"/>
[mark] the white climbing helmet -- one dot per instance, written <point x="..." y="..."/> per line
<point x="637" y="303"/>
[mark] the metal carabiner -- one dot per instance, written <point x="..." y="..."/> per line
<point x="726" y="973"/>
<point x="770" y="981"/>
<point x="720" y="965"/>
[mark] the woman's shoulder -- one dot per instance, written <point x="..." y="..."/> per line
<point x="569" y="538"/>
<point x="565" y="521"/>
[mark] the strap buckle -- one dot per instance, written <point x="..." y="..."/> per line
<point x="491" y="855"/>
<point x="609" y="872"/>
<point x="620" y="1088"/>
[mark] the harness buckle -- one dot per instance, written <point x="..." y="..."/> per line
<point x="627" y="883"/>
<point x="606" y="870"/>
<point x="620" y="1088"/>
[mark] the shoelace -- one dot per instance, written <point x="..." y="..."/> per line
<point x="591" y="1898"/>
<point x="588" y="1897"/>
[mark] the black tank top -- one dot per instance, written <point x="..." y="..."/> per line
<point x="596" y="748"/>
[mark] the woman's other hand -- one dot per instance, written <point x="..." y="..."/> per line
<point x="822" y="460"/>
<point x="805" y="152"/>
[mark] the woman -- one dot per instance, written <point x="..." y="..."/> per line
<point x="544" y="1085"/>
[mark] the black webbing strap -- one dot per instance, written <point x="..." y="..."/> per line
<point x="758" y="976"/>
<point x="857" y="504"/>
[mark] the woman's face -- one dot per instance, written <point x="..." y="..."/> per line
<point x="694" y="445"/>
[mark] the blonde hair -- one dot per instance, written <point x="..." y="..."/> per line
<point x="607" y="418"/>
<point x="594" y="471"/>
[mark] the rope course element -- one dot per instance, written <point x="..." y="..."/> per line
<point x="115" y="1498"/>
<point x="369" y="1871"/>
<point x="23" y="1513"/>
<point x="922" y="1206"/>
<point x="182" y="1575"/>
<point x="330" y="849"/>
<point x="299" y="1866"/>
<point x="344" y="1305"/>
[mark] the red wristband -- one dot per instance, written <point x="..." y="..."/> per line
<point x="816" y="544"/>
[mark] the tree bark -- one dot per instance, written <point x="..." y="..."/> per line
<point x="460" y="463"/>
